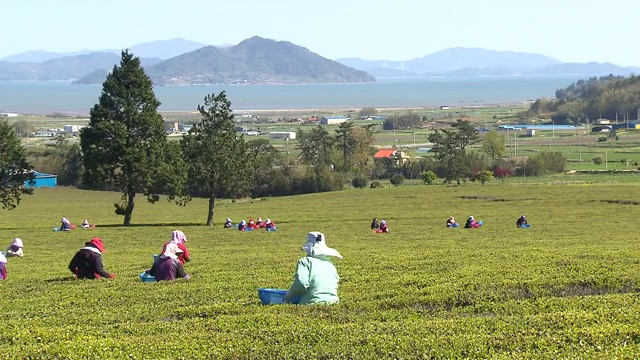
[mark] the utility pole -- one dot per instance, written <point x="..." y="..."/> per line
<point x="580" y="147"/>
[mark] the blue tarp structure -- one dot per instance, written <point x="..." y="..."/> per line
<point x="43" y="181"/>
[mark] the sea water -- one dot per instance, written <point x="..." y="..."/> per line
<point x="64" y="97"/>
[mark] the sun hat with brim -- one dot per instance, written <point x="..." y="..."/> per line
<point x="171" y="251"/>
<point x="317" y="246"/>
<point x="17" y="242"/>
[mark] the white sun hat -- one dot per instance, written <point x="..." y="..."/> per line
<point x="317" y="246"/>
<point x="17" y="242"/>
<point x="172" y="250"/>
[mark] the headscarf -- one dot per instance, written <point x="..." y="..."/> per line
<point x="268" y="221"/>
<point x="64" y="220"/>
<point x="171" y="251"/>
<point x="178" y="237"/>
<point x="259" y="219"/>
<point x="317" y="246"/>
<point x="383" y="222"/>
<point x="3" y="259"/>
<point x="243" y="222"/>
<point x="17" y="242"/>
<point x="228" y="220"/>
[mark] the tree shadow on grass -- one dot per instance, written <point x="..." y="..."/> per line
<point x="149" y="225"/>
<point x="62" y="279"/>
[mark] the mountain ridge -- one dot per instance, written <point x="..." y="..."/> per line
<point x="466" y="61"/>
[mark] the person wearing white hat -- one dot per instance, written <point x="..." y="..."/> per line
<point x="227" y="224"/>
<point x="316" y="278"/>
<point x="3" y="267"/>
<point x="15" y="249"/>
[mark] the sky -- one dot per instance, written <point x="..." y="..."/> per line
<point x="568" y="30"/>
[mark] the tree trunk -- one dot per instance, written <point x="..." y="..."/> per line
<point x="212" y="203"/>
<point x="131" y="202"/>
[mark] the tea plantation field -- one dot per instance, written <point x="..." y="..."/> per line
<point x="565" y="288"/>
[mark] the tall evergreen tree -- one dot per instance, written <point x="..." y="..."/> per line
<point x="124" y="144"/>
<point x="14" y="168"/>
<point x="220" y="162"/>
<point x="449" y="148"/>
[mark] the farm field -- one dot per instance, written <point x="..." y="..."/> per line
<point x="566" y="288"/>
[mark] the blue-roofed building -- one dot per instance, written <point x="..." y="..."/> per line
<point x="631" y="125"/>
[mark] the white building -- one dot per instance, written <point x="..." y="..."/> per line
<point x="8" y="115"/>
<point x="282" y="135"/>
<point x="71" y="129"/>
<point x="333" y="120"/>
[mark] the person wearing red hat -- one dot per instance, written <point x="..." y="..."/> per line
<point x="87" y="263"/>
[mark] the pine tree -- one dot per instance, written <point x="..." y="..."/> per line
<point x="220" y="162"/>
<point x="15" y="171"/>
<point x="124" y="144"/>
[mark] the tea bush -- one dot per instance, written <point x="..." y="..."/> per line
<point x="564" y="288"/>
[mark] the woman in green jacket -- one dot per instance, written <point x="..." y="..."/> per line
<point x="316" y="278"/>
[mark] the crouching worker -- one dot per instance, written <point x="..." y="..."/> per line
<point x="472" y="223"/>
<point x="451" y="222"/>
<point x="316" y="278"/>
<point x="270" y="225"/>
<point x="15" y="249"/>
<point x="522" y="222"/>
<point x="383" y="227"/>
<point x="242" y="225"/>
<point x="65" y="225"/>
<point x="168" y="267"/>
<point x="87" y="263"/>
<point x="374" y="224"/>
<point x="3" y="267"/>
<point x="228" y="224"/>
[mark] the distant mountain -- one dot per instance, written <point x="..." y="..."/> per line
<point x="252" y="61"/>
<point x="592" y="68"/>
<point x="99" y="75"/>
<point x="384" y="72"/>
<point x="458" y="58"/>
<point x="461" y="61"/>
<point x="162" y="49"/>
<point x="39" y="56"/>
<point x="165" y="49"/>
<point x="62" y="69"/>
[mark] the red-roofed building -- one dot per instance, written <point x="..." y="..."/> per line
<point x="391" y="154"/>
<point x="384" y="153"/>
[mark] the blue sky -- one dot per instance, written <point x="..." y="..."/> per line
<point x="569" y="30"/>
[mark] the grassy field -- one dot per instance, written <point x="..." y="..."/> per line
<point x="565" y="288"/>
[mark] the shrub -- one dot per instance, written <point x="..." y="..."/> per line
<point x="485" y="176"/>
<point x="428" y="177"/>
<point x="375" y="184"/>
<point x="359" y="182"/>
<point x="597" y="160"/>
<point x="397" y="179"/>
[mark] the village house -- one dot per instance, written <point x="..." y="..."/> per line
<point x="393" y="154"/>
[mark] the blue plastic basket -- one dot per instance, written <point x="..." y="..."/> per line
<point x="274" y="296"/>
<point x="146" y="277"/>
